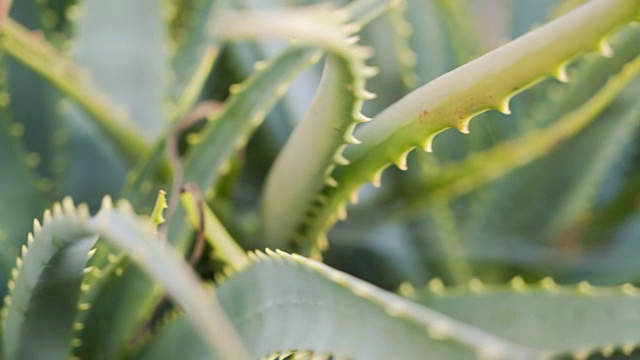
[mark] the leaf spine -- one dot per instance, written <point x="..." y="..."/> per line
<point x="107" y="203"/>
<point x="394" y="310"/>
<point x="475" y="285"/>
<point x="125" y="206"/>
<point x="354" y="198"/>
<point x="503" y="106"/>
<point x="401" y="162"/>
<point x="329" y="181"/>
<point x="464" y="127"/>
<point x="561" y="73"/>
<point x="584" y="288"/>
<point x="605" y="48"/>
<point x="548" y="284"/>
<point x="607" y="351"/>
<point x="36" y="226"/>
<point x="57" y="209"/>
<point x="438" y="331"/>
<point x="339" y="158"/>
<point x="342" y="212"/>
<point x="377" y="178"/>
<point x="629" y="289"/>
<point x="352" y="40"/>
<point x="436" y="286"/>
<point x="83" y="211"/>
<point x="68" y="206"/>
<point x="518" y="283"/>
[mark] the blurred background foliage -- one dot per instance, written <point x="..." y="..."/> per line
<point x="572" y="214"/>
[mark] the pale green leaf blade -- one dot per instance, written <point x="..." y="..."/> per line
<point x="21" y="197"/>
<point x="297" y="303"/>
<point x="56" y="254"/>
<point x="453" y="99"/>
<point x="302" y="168"/>
<point x="550" y="318"/>
<point x="121" y="43"/>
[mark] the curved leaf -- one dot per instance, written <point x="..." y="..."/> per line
<point x="455" y="98"/>
<point x="302" y="168"/>
<point x="21" y="198"/>
<point x="52" y="266"/>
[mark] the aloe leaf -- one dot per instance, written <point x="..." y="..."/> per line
<point x="193" y="52"/>
<point x="231" y="127"/>
<point x="459" y="28"/>
<point x="459" y="178"/>
<point x="43" y="138"/>
<point x="313" y="150"/>
<point x="202" y="166"/>
<point x="615" y="212"/>
<point x="533" y="237"/>
<point x="109" y="36"/>
<point x="54" y="16"/>
<point x="406" y="57"/>
<point x="242" y="113"/>
<point x="454" y="98"/>
<point x="540" y="316"/>
<point x="427" y="39"/>
<point x="343" y="81"/>
<point x="121" y="44"/>
<point x="41" y="57"/>
<point x="291" y="292"/>
<point x="224" y="246"/>
<point x="21" y="196"/>
<point x="52" y="265"/>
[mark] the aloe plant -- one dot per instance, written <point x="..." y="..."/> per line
<point x="240" y="141"/>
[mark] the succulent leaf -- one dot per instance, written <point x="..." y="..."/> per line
<point x="455" y="98"/>
<point x="291" y="292"/>
<point x="52" y="265"/>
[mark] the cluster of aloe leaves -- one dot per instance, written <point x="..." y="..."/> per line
<point x="519" y="240"/>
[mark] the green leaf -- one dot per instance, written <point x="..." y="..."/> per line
<point x="21" y="196"/>
<point x="224" y="246"/>
<point x="541" y="316"/>
<point x="52" y="266"/>
<point x="193" y="53"/>
<point x="42" y="58"/>
<point x="350" y="318"/>
<point x="203" y="165"/>
<point x="476" y="169"/>
<point x="302" y="168"/>
<point x="455" y="98"/>
<point x="122" y="44"/>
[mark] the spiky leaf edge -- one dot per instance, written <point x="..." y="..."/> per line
<point x="453" y="99"/>
<point x="292" y="290"/>
<point x="121" y="227"/>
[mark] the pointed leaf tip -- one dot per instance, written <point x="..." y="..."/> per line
<point x="107" y="202"/>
